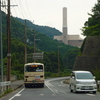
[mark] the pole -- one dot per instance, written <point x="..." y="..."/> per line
<point x="25" y="58"/>
<point x="8" y="44"/>
<point x="1" y="49"/>
<point x="34" y="43"/>
<point x="58" y="62"/>
<point x="1" y="59"/>
<point x="34" y="46"/>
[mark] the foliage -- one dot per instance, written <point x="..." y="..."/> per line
<point x="7" y="91"/>
<point x="92" y="26"/>
<point x="49" y="31"/>
<point x="66" y="72"/>
<point x="96" y="73"/>
<point x="70" y="57"/>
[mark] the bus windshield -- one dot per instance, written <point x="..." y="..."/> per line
<point x="34" y="68"/>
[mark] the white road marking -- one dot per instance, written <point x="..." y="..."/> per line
<point x="41" y="94"/>
<point x="53" y="94"/>
<point x="49" y="86"/>
<point x="18" y="94"/>
<point x="90" y="94"/>
<point x="52" y="88"/>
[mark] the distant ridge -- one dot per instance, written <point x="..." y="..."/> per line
<point x="49" y="31"/>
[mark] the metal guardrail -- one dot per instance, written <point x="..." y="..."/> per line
<point x="98" y="84"/>
<point x="6" y="83"/>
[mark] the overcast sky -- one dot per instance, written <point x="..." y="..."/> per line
<point x="49" y="12"/>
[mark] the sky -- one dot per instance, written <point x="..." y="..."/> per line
<point x="49" y="12"/>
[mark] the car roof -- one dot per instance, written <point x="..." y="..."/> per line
<point x="81" y="71"/>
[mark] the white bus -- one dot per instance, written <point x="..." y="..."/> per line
<point x="34" y="74"/>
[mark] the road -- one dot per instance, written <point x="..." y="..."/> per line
<point x="54" y="89"/>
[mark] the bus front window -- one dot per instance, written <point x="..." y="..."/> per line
<point x="30" y="68"/>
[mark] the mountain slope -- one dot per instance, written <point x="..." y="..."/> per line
<point x="44" y="43"/>
<point x="49" y="31"/>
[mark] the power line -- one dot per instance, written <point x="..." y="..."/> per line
<point x="22" y="8"/>
<point x="28" y="9"/>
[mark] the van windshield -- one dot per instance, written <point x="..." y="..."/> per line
<point x="84" y="76"/>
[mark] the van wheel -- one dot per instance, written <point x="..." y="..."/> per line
<point x="70" y="89"/>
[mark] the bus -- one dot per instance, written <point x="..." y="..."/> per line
<point x="34" y="74"/>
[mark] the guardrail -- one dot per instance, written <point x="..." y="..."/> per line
<point x="5" y="83"/>
<point x="98" y="84"/>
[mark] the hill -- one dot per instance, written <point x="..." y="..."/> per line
<point x="43" y="43"/>
<point x="49" y="31"/>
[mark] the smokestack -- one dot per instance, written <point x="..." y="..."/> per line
<point x="65" y="37"/>
<point x="64" y="17"/>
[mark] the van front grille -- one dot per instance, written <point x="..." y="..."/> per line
<point x="86" y="88"/>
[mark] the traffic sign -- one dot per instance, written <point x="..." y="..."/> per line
<point x="38" y="55"/>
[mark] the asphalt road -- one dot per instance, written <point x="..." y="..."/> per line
<point x="54" y="89"/>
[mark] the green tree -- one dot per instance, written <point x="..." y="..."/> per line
<point x="92" y="26"/>
<point x="70" y="57"/>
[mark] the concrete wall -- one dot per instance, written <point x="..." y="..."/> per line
<point x="13" y="78"/>
<point x="90" y="58"/>
<point x="92" y="46"/>
<point x="87" y="63"/>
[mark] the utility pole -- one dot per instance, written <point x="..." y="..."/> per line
<point x="8" y="44"/>
<point x="34" y="46"/>
<point x="25" y="58"/>
<point x="34" y="43"/>
<point x="1" y="50"/>
<point x="58" y="61"/>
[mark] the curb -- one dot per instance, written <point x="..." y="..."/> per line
<point x="17" y="87"/>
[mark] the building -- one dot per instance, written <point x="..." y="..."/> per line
<point x="73" y="40"/>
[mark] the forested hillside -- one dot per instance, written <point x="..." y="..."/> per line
<point x="49" y="31"/>
<point x="43" y="44"/>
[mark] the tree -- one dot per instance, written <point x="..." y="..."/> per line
<point x="92" y="26"/>
<point x="70" y="57"/>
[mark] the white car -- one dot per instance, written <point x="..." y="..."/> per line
<point x="82" y="81"/>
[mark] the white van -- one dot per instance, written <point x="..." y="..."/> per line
<point x="82" y="81"/>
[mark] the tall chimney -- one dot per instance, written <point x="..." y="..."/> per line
<point x="65" y="37"/>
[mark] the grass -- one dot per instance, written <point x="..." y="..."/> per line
<point x="6" y="92"/>
<point x="98" y="90"/>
